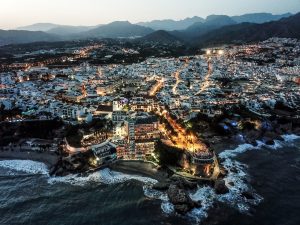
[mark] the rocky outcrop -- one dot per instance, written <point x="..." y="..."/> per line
<point x="183" y="183"/>
<point x="220" y="187"/>
<point x="248" y="195"/>
<point x="161" y="186"/>
<point x="76" y="163"/>
<point x="180" y="199"/>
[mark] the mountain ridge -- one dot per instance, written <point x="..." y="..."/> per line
<point x="118" y="29"/>
<point x="22" y="36"/>
<point x="216" y="29"/>
<point x="160" y="36"/>
<point x="251" y="32"/>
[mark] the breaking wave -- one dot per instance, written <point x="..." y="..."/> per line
<point x="235" y="180"/>
<point x="26" y="166"/>
<point x="105" y="176"/>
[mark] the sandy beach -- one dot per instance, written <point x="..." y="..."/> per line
<point x="139" y="168"/>
<point x="50" y="159"/>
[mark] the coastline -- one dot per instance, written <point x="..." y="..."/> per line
<point x="47" y="158"/>
<point x="175" y="187"/>
<point x="135" y="167"/>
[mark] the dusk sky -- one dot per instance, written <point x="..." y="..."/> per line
<point x="14" y="13"/>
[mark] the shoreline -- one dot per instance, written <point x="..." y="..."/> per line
<point x="231" y="143"/>
<point x="176" y="188"/>
<point x="131" y="167"/>
<point x="48" y="159"/>
<point x="141" y="168"/>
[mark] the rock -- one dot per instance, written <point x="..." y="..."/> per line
<point x="234" y="170"/>
<point x="182" y="209"/>
<point x="161" y="186"/>
<point x="220" y="187"/>
<point x="197" y="204"/>
<point x="231" y="183"/>
<point x="223" y="172"/>
<point x="188" y="184"/>
<point x="248" y="195"/>
<point x="177" y="195"/>
<point x="53" y="170"/>
<point x="59" y="171"/>
<point x="270" y="142"/>
<point x="270" y="136"/>
<point x="183" y="183"/>
<point x="254" y="143"/>
<point x="180" y="199"/>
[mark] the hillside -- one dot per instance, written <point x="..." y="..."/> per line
<point x="69" y="30"/>
<point x="38" y="27"/>
<point x="197" y="29"/>
<point x="160" y="36"/>
<point x="21" y="36"/>
<point x="248" y="32"/>
<point x="119" y="29"/>
<point x="259" y="17"/>
<point x="170" y="25"/>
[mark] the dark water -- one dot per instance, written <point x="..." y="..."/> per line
<point x="276" y="176"/>
<point x="30" y="199"/>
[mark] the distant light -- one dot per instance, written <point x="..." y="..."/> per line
<point x="208" y="52"/>
<point x="220" y="52"/>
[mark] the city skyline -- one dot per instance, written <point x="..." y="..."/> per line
<point x="94" y="12"/>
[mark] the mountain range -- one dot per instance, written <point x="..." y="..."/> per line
<point x="160" y="36"/>
<point x="23" y="36"/>
<point x="250" y="32"/>
<point x="170" y="25"/>
<point x="118" y="29"/>
<point x="195" y="30"/>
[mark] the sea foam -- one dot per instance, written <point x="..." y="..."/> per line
<point x="26" y="166"/>
<point x="105" y="176"/>
<point x="237" y="175"/>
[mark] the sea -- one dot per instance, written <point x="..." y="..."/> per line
<point x="28" y="195"/>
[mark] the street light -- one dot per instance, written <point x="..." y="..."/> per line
<point x="220" y="52"/>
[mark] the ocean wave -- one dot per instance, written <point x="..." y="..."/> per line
<point x="151" y="193"/>
<point x="288" y="140"/>
<point x="167" y="207"/>
<point x="26" y="166"/>
<point x="235" y="180"/>
<point x="105" y="176"/>
<point x="290" y="137"/>
<point x="206" y="196"/>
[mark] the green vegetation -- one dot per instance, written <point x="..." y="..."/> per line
<point x="74" y="133"/>
<point x="12" y="132"/>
